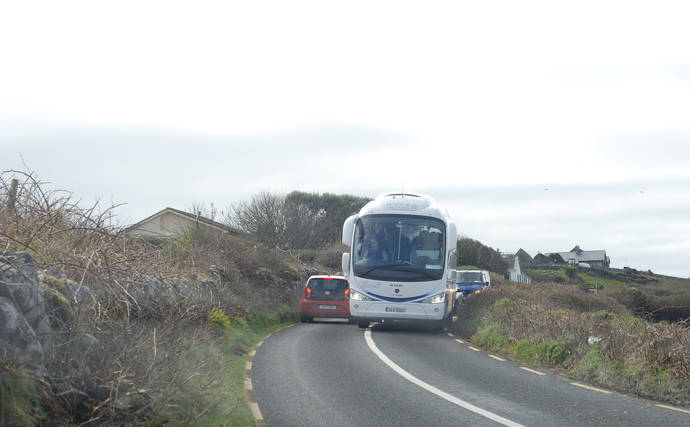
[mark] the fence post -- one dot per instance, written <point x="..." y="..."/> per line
<point x="12" y="198"/>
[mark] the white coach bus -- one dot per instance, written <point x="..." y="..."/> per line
<point x="402" y="250"/>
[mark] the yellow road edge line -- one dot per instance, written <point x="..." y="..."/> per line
<point x="497" y="358"/>
<point x="248" y="386"/>
<point x="473" y="348"/>
<point x="256" y="412"/>
<point x="532" y="371"/>
<point x="673" y="408"/>
<point x="588" y="387"/>
<point x="460" y="341"/>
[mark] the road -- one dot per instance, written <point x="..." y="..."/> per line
<point x="330" y="374"/>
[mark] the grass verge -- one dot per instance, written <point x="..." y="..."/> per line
<point x="213" y="374"/>
<point x="591" y="338"/>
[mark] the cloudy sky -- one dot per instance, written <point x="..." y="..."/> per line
<point x="537" y="124"/>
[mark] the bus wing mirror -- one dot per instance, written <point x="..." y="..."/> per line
<point x="346" y="263"/>
<point x="348" y="228"/>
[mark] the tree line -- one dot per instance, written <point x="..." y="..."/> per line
<point x="300" y="220"/>
<point x="297" y="220"/>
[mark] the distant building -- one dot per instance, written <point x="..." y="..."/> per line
<point x="526" y="259"/>
<point x="514" y="273"/>
<point x="172" y="222"/>
<point x="576" y="255"/>
<point x="541" y="259"/>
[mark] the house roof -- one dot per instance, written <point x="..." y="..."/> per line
<point x="583" y="256"/>
<point x="525" y="258"/>
<point x="187" y="215"/>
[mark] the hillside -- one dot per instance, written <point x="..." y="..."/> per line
<point x="647" y="294"/>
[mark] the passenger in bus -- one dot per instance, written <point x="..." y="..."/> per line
<point x="375" y="253"/>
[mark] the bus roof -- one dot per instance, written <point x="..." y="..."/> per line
<point x="405" y="204"/>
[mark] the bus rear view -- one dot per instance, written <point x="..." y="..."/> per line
<point x="402" y="247"/>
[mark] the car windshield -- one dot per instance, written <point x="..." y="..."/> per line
<point x="470" y="277"/>
<point x="399" y="247"/>
<point x="327" y="289"/>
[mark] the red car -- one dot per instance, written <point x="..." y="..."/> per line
<point x="325" y="296"/>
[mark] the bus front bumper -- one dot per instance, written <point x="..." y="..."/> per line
<point x="375" y="310"/>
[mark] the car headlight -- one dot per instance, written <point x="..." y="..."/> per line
<point x="358" y="296"/>
<point x="435" y="299"/>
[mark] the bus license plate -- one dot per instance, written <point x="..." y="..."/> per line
<point x="327" y="307"/>
<point x="395" y="309"/>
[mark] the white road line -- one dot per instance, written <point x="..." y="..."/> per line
<point x="449" y="334"/>
<point x="497" y="358"/>
<point x="248" y="366"/>
<point x="248" y="384"/>
<point x="460" y="341"/>
<point x="473" y="348"/>
<point x="252" y="353"/>
<point x="428" y="387"/>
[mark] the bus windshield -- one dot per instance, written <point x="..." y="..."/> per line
<point x="470" y="277"/>
<point x="399" y="247"/>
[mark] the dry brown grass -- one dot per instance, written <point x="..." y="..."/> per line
<point x="122" y="350"/>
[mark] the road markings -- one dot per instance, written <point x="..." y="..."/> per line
<point x="473" y="348"/>
<point x="449" y="334"/>
<point x="248" y="387"/>
<point x="673" y="408"/>
<point x="532" y="371"/>
<point x="588" y="387"/>
<point x="460" y="341"/>
<point x="428" y="387"/>
<point x="496" y="358"/>
<point x="256" y="412"/>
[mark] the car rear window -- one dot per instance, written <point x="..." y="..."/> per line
<point x="327" y="289"/>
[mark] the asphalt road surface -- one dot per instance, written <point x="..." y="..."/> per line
<point x="335" y="374"/>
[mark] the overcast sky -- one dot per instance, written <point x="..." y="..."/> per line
<point x="538" y="125"/>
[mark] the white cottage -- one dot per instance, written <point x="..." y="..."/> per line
<point x="514" y="273"/>
<point x="172" y="222"/>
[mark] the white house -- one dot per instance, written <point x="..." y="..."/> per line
<point x="576" y="255"/>
<point x="172" y="222"/>
<point x="515" y="274"/>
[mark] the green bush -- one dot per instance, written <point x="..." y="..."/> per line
<point x="218" y="318"/>
<point x="570" y="271"/>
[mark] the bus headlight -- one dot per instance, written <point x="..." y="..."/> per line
<point x="435" y="299"/>
<point x="358" y="296"/>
